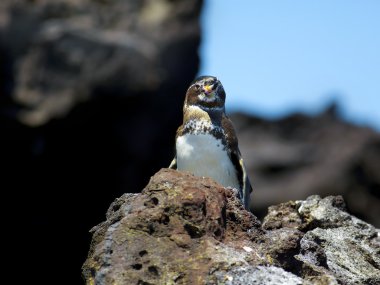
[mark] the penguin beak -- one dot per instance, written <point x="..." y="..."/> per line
<point x="208" y="89"/>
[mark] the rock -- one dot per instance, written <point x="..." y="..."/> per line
<point x="348" y="247"/>
<point x="184" y="229"/>
<point x="176" y="231"/>
<point x="67" y="53"/>
<point x="91" y="94"/>
<point x="301" y="155"/>
<point x="268" y="275"/>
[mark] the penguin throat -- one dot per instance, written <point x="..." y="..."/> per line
<point x="201" y="126"/>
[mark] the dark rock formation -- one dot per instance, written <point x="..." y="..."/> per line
<point x="174" y="231"/>
<point x="298" y="156"/>
<point x="90" y="97"/>
<point x="91" y="94"/>
<point x="187" y="230"/>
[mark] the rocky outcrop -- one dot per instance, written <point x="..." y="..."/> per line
<point x="187" y="230"/>
<point x="91" y="95"/>
<point x="297" y="156"/>
<point x="70" y="52"/>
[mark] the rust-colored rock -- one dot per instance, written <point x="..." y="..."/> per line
<point x="184" y="229"/>
<point x="178" y="230"/>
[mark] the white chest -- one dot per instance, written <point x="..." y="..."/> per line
<point x="203" y="155"/>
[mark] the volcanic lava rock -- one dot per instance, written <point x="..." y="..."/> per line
<point x="176" y="231"/>
<point x="190" y="230"/>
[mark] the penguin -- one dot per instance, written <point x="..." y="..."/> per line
<point x="206" y="143"/>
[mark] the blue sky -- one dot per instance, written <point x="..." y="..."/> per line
<point x="275" y="57"/>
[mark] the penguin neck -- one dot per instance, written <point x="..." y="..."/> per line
<point x="194" y="112"/>
<point x="200" y="120"/>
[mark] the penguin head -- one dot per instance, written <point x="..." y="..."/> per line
<point x="206" y="92"/>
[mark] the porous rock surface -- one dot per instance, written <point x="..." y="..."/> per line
<point x="188" y="230"/>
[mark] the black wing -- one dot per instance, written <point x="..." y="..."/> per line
<point x="245" y="184"/>
<point x="237" y="160"/>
